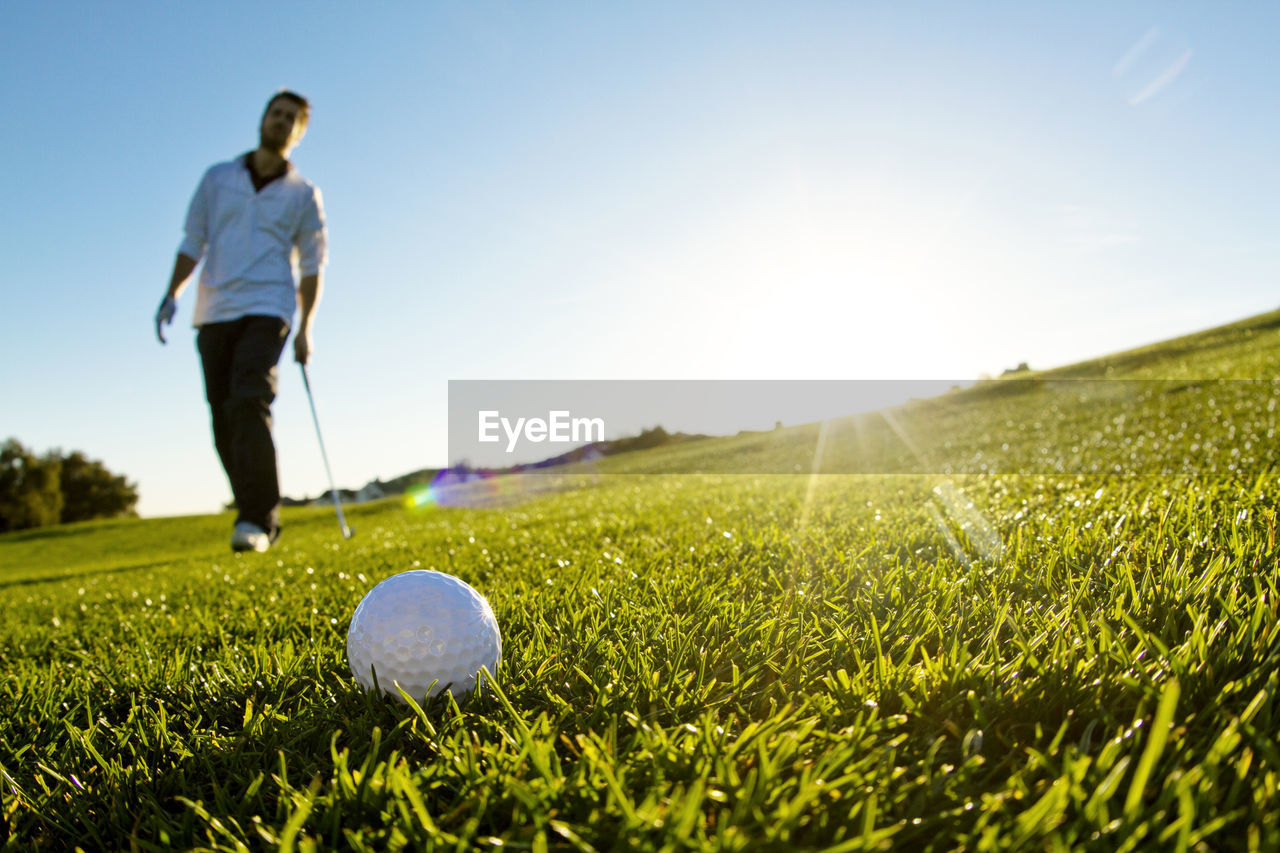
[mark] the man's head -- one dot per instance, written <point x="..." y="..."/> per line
<point x="284" y="121"/>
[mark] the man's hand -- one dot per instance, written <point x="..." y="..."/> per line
<point x="164" y="315"/>
<point x="301" y="346"/>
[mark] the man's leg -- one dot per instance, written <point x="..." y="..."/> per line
<point x="215" y="342"/>
<point x="247" y="412"/>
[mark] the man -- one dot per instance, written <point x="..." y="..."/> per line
<point x="257" y="224"/>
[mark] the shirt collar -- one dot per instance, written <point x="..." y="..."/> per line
<point x="260" y="181"/>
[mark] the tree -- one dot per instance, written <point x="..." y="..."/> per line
<point x="30" y="488"/>
<point x="40" y="490"/>
<point x="89" y="490"/>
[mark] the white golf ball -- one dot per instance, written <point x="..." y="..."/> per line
<point x="425" y="630"/>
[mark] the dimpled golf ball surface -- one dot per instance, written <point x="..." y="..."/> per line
<point x="421" y="627"/>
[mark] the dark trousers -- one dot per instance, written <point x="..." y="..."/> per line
<point x="239" y="359"/>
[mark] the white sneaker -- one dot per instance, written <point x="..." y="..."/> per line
<point x="249" y="537"/>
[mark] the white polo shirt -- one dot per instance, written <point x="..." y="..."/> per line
<point x="254" y="244"/>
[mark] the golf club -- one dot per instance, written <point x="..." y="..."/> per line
<point x="333" y="490"/>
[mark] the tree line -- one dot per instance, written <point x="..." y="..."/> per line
<point x="57" y="488"/>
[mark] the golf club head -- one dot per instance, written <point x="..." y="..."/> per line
<point x="348" y="532"/>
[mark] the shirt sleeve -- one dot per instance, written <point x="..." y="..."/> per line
<point x="197" y="226"/>
<point x="313" y="237"/>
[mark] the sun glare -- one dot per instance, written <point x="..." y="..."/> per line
<point x="864" y="282"/>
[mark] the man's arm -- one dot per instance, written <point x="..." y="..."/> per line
<point x="309" y="289"/>
<point x="189" y="253"/>
<point x="183" y="266"/>
<point x="312" y="241"/>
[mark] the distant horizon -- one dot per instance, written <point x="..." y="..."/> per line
<point x="528" y="463"/>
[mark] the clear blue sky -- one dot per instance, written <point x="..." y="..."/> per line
<point x="624" y="190"/>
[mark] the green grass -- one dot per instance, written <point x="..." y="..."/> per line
<point x="1075" y="649"/>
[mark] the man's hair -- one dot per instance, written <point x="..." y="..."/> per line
<point x="304" y="106"/>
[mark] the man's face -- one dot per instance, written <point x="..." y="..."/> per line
<point x="282" y="128"/>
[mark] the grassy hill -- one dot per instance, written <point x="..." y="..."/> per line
<point x="1035" y="614"/>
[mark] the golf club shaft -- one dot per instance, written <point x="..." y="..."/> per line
<point x="333" y="489"/>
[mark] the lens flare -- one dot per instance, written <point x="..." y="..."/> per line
<point x="419" y="497"/>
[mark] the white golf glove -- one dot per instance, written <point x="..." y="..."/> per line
<point x="164" y="315"/>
